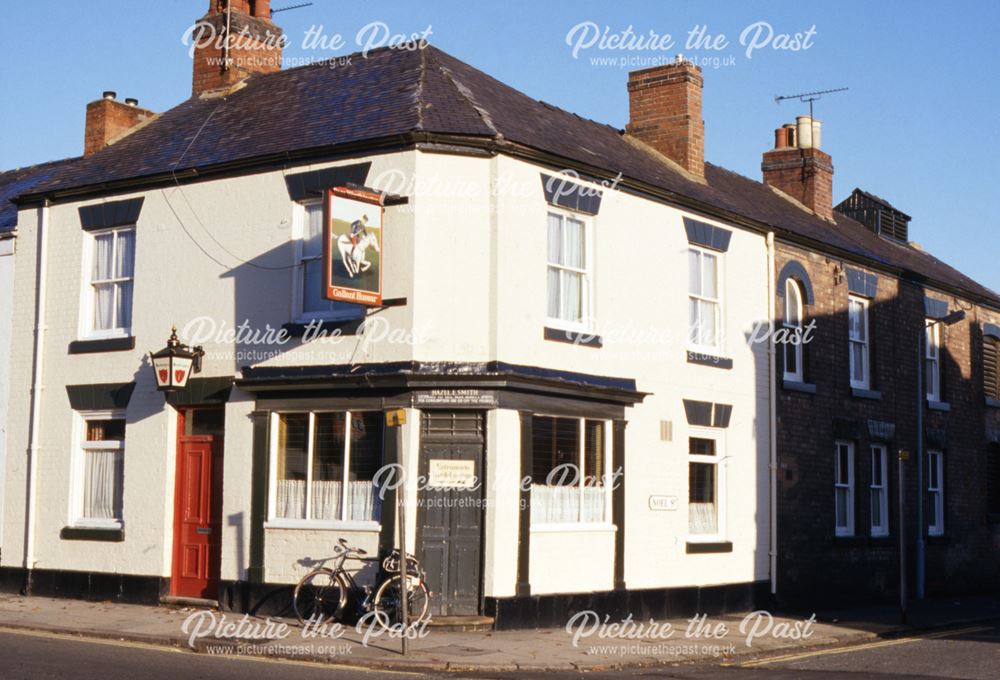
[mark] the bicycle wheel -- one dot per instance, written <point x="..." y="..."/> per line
<point x="388" y="601"/>
<point x="319" y="596"/>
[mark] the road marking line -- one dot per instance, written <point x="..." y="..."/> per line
<point x="187" y="650"/>
<point x="857" y="648"/>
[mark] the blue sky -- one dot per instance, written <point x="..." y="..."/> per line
<point x="916" y="127"/>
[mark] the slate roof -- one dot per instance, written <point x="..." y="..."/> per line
<point x="19" y="181"/>
<point x="391" y="94"/>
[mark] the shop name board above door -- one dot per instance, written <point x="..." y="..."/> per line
<point x="468" y="398"/>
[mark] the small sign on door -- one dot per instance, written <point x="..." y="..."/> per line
<point x="451" y="474"/>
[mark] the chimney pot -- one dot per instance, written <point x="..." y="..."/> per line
<point x="132" y="101"/>
<point x="109" y="94"/>
<point x="781" y="138"/>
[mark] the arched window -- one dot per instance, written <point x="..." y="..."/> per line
<point x="792" y="340"/>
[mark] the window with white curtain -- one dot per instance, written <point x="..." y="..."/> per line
<point x="705" y="487"/>
<point x="878" y="489"/>
<point x="309" y="302"/>
<point x="99" y="470"/>
<point x="704" y="300"/>
<point x="857" y="316"/>
<point x="570" y="471"/>
<point x="569" y="273"/>
<point x="935" y="493"/>
<point x="792" y="322"/>
<point x="111" y="273"/>
<point x="324" y="465"/>
<point x="843" y="488"/>
<point x="932" y="360"/>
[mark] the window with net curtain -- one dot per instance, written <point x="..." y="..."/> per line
<point x="310" y="301"/>
<point x="703" y="487"/>
<point x="569" y="296"/>
<point x="103" y="457"/>
<point x="568" y="470"/>
<point x="111" y="281"/>
<point x="326" y="464"/>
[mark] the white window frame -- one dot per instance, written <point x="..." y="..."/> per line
<point x="719" y="460"/>
<point x="609" y="480"/>
<point x="299" y="315"/>
<point x="275" y="522"/>
<point x="879" y="493"/>
<point x="932" y="356"/>
<point x="587" y="291"/>
<point x="865" y="381"/>
<point x="935" y="493"/>
<point x="847" y="530"/>
<point x="793" y="330"/>
<point x="78" y="473"/>
<point x="87" y="294"/>
<point x="718" y="347"/>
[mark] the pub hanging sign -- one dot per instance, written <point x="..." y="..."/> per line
<point x="352" y="246"/>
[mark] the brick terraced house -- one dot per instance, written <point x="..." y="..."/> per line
<point x="719" y="468"/>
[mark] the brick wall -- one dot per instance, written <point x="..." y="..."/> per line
<point x="811" y="560"/>
<point x="804" y="174"/>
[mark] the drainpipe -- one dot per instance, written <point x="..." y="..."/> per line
<point x="772" y="395"/>
<point x="36" y="395"/>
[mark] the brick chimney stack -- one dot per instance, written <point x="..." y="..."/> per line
<point x="108" y="119"/>
<point x="798" y="167"/>
<point x="255" y="44"/>
<point x="665" y="112"/>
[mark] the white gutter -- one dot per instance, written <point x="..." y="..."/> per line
<point x="36" y="394"/>
<point x="772" y="396"/>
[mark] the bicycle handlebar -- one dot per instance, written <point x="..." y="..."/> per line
<point x="348" y="549"/>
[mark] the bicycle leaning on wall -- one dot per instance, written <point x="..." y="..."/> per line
<point x="324" y="593"/>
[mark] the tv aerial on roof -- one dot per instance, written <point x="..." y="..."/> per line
<point x="808" y="97"/>
<point x="285" y="9"/>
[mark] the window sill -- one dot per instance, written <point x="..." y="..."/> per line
<point x="994" y="403"/>
<point x="796" y="386"/>
<point x="102" y="345"/>
<point x="702" y="359"/>
<point x="695" y="547"/>
<point x="938" y="405"/>
<point x="575" y="527"/>
<point x="322" y="525"/>
<point x="865" y="394"/>
<point x="84" y="533"/>
<point x="582" y="338"/>
<point x="323" y="327"/>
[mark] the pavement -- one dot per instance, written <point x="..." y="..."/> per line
<point x="590" y="646"/>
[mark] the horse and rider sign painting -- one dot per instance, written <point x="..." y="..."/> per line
<point x="352" y="246"/>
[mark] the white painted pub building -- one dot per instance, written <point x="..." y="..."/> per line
<point x="555" y="295"/>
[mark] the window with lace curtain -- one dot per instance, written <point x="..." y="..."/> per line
<point x="324" y="465"/>
<point x="99" y="470"/>
<point x="706" y="484"/>
<point x="108" y="305"/>
<point x="570" y="471"/>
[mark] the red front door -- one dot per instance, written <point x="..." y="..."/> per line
<point x="198" y="517"/>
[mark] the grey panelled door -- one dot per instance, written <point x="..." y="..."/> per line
<point x="450" y="514"/>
